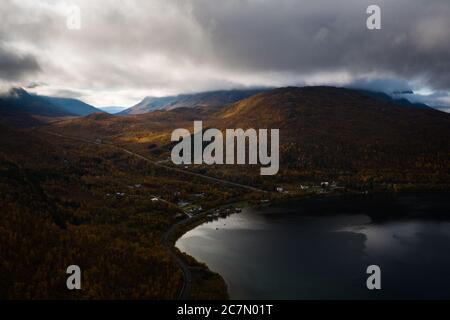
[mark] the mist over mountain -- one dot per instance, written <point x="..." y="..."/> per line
<point x="205" y="99"/>
<point x="20" y="108"/>
<point x="18" y="99"/>
<point x="397" y="98"/>
<point x="227" y="97"/>
<point x="325" y="133"/>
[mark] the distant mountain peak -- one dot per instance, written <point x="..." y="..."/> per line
<point x="17" y="92"/>
<point x="18" y="104"/>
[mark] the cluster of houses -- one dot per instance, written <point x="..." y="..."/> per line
<point x="189" y="208"/>
<point x="194" y="209"/>
<point x="323" y="187"/>
<point x="224" y="212"/>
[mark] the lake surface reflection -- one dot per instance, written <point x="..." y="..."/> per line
<point x="320" y="249"/>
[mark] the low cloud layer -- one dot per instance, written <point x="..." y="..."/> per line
<point x="128" y="49"/>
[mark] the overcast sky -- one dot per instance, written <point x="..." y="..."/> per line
<point x="126" y="50"/>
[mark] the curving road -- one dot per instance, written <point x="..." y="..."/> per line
<point x="185" y="290"/>
<point x="159" y="163"/>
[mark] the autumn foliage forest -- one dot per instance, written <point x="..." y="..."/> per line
<point x="67" y="203"/>
<point x="64" y="201"/>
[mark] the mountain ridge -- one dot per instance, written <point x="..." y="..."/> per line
<point x="208" y="98"/>
<point x="325" y="133"/>
<point x="20" y="108"/>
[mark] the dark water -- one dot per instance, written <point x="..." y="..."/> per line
<point x="320" y="249"/>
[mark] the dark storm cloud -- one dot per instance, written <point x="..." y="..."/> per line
<point x="308" y="36"/>
<point x="69" y="94"/>
<point x="388" y="85"/>
<point x="126" y="49"/>
<point x="15" y="66"/>
<point x="34" y="84"/>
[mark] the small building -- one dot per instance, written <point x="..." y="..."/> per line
<point x="155" y="199"/>
<point x="182" y="203"/>
<point x="279" y="189"/>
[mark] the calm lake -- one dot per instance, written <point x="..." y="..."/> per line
<point x="320" y="249"/>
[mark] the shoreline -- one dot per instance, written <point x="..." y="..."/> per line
<point x="188" y="224"/>
<point x="175" y="232"/>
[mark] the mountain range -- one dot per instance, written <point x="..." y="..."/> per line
<point x="205" y="99"/>
<point x="20" y="108"/>
<point x="325" y="133"/>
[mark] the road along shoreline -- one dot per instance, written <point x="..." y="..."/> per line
<point x="177" y="230"/>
